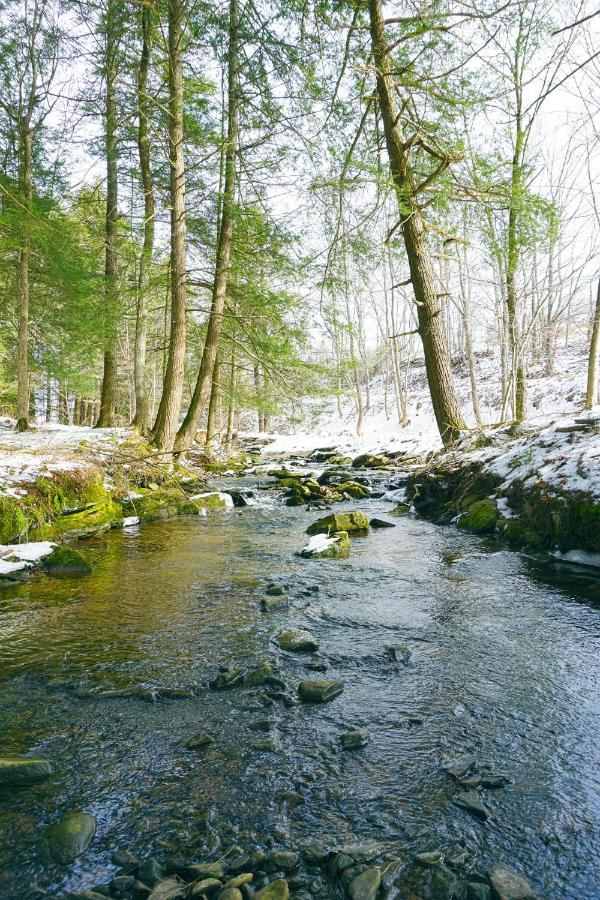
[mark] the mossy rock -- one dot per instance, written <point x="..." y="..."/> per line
<point x="402" y="509"/>
<point x="480" y="517"/>
<point x="371" y="461"/>
<point x="66" y="561"/>
<point x="511" y="530"/>
<point x="70" y="837"/>
<point x="353" y="489"/>
<point x="352" y="523"/>
<point x="163" y="503"/>
<point x="338" y="547"/>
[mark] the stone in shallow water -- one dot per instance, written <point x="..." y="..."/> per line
<point x="199" y="741"/>
<point x="495" y="781"/>
<point x="366" y="885"/>
<point x="355" y="522"/>
<point x="17" y="770"/>
<point x="277" y="890"/>
<point x="297" y="641"/>
<point x="354" y="739"/>
<point x="275" y="590"/>
<point x="268" y="603"/>
<point x="231" y="893"/>
<point x="66" y="561"/>
<point x="264" y="744"/>
<point x="508" y="885"/>
<point x="381" y="523"/>
<point x="69" y="837"/>
<point x="459" y="767"/>
<point x="430" y="859"/>
<point x="319" y="690"/>
<point x="169" y="889"/>
<point x="206" y="886"/>
<point x="472" y="802"/>
<point x="322" y="546"/>
<point x="283" y="861"/>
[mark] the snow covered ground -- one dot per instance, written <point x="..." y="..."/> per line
<point x="548" y="398"/>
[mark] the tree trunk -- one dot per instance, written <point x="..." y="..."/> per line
<point x="592" y="378"/>
<point x="167" y="419"/>
<point x="445" y="402"/>
<point x="224" y="245"/>
<point x="48" y="397"/>
<point x="213" y="408"/>
<point x="108" y="396"/>
<point x="26" y="191"/>
<point x="231" y="403"/>
<point x="141" y="417"/>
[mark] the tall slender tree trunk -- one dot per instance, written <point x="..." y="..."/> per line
<point x="213" y="411"/>
<point x="591" y="394"/>
<point x="108" y="396"/>
<point x="445" y="402"/>
<point x="512" y="261"/>
<point x="141" y="417"/>
<point x="224" y="244"/>
<point x="167" y="419"/>
<point x="26" y="191"/>
<point x="231" y="400"/>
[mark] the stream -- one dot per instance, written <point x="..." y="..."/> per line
<point x="446" y="645"/>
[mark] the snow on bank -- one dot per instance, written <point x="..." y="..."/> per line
<point x="15" y="557"/>
<point x="549" y="397"/>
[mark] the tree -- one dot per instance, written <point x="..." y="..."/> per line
<point x="167" y="418"/>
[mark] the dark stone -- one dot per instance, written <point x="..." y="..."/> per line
<point x="354" y="739"/>
<point x="472" y="802"/>
<point x="69" y="837"/>
<point x="151" y="872"/>
<point x="275" y="590"/>
<point x="459" y="767"/>
<point x="365" y="886"/>
<point x="125" y="859"/>
<point x="381" y="523"/>
<point x="319" y="690"/>
<point x="19" y="770"/>
<point x="199" y="741"/>
<point x="508" y="885"/>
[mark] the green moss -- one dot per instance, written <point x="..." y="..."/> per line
<point x="66" y="561"/>
<point x="352" y="523"/>
<point x="480" y="517"/>
<point x="353" y="489"/>
<point x="164" y="502"/>
<point x="13" y="519"/>
<point x="511" y="530"/>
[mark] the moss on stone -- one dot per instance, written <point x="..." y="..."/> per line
<point x="66" y="561"/>
<point x="352" y="523"/>
<point x="480" y="517"/>
<point x="353" y="489"/>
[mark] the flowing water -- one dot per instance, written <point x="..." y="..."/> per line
<point x="504" y="662"/>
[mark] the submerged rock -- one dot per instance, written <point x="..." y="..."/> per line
<point x="381" y="523"/>
<point x="275" y="590"/>
<point x="297" y="641"/>
<point x="18" y="770"/>
<point x="319" y="690"/>
<point x="366" y="885"/>
<point x="472" y="802"/>
<point x="508" y="885"/>
<point x="354" y="739"/>
<point x="66" y="561"/>
<point x="459" y="767"/>
<point x="268" y="603"/>
<point x="69" y="837"/>
<point x="434" y="858"/>
<point x="199" y="741"/>
<point x="355" y="522"/>
<point x="277" y="890"/>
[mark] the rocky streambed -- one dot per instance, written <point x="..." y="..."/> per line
<point x="210" y="713"/>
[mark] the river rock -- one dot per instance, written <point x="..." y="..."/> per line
<point x="370" y="461"/>
<point x="125" y="859"/>
<point x="268" y="603"/>
<point x="151" y="872"/>
<point x="402" y="509"/>
<point x="478" y="891"/>
<point x="276" y="890"/>
<point x="18" y="770"/>
<point x="282" y="861"/>
<point x="354" y="739"/>
<point x="239" y="880"/>
<point x="66" y="561"/>
<point x="203" y="871"/>
<point x="231" y="893"/>
<point x="169" y="889"/>
<point x="69" y="837"/>
<point x="491" y="781"/>
<point x="275" y="590"/>
<point x="333" y="546"/>
<point x="199" y="741"/>
<point x="263" y="744"/>
<point x="319" y="690"/>
<point x="444" y="883"/>
<point x="472" y="802"/>
<point x="434" y="858"/>
<point x="459" y="767"/>
<point x="297" y="641"/>
<point x="121" y="885"/>
<point x="355" y="522"/>
<point x="205" y="886"/>
<point x="381" y="523"/>
<point x="365" y="886"/>
<point x="508" y="885"/>
<point x="480" y="517"/>
<point x="353" y="489"/>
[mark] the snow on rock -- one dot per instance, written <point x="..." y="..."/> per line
<point x="579" y="557"/>
<point x="15" y="557"/>
<point x="128" y="521"/>
<point x="318" y="543"/>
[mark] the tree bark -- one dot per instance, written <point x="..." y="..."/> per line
<point x="167" y="419"/>
<point x="445" y="402"/>
<point x="213" y="409"/>
<point x="592" y="376"/>
<point x="26" y="191"/>
<point x="108" y="397"/>
<point x="224" y="244"/>
<point x="141" y="417"/>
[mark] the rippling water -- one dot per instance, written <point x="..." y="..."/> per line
<point x="504" y="662"/>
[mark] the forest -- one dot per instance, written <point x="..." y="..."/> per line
<point x="299" y="449"/>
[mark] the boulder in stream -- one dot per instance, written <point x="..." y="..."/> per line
<point x="319" y="690"/>
<point x="472" y="802"/>
<point x="297" y="640"/>
<point x="199" y="741"/>
<point x="276" y="890"/>
<point x="69" y="837"/>
<point x="65" y="561"/>
<point x="355" y="522"/>
<point x="322" y="546"/>
<point x="354" y="739"/>
<point x="381" y="523"/>
<point x="371" y="461"/>
<point x="508" y="885"/>
<point x="366" y="885"/>
<point x="18" y="770"/>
